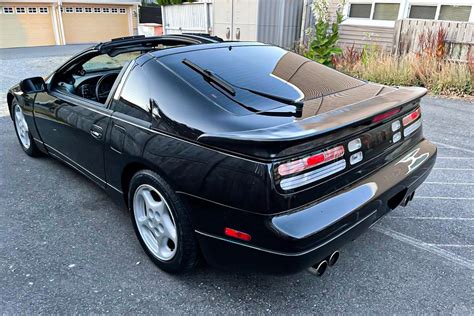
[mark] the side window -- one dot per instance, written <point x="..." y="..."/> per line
<point x="134" y="99"/>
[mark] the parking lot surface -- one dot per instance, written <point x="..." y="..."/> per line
<point x="66" y="247"/>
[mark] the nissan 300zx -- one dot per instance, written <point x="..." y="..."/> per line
<point x="245" y="154"/>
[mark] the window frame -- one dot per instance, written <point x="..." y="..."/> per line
<point x="370" y="21"/>
<point x="32" y="10"/>
<point x="106" y="10"/>
<point x="10" y="9"/>
<point x="68" y="10"/>
<point x="44" y="9"/>
<point x="79" y="10"/>
<point x="122" y="10"/>
<point x="438" y="4"/>
<point x="404" y="11"/>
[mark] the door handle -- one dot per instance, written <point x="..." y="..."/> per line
<point x="227" y="33"/>
<point x="96" y="131"/>
<point x="237" y="34"/>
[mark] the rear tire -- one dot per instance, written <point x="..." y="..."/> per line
<point x="162" y="223"/>
<point x="23" y="132"/>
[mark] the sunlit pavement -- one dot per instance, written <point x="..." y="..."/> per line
<point x="65" y="247"/>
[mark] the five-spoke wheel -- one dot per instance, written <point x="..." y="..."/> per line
<point x="162" y="222"/>
<point x="22" y="127"/>
<point x="155" y="222"/>
<point x="22" y="131"/>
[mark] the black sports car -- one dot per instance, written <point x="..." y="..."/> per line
<point x="251" y="155"/>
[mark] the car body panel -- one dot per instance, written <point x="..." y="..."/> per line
<point x="220" y="151"/>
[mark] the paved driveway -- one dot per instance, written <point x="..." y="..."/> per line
<point x="65" y="247"/>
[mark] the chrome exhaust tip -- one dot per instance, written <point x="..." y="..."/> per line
<point x="333" y="258"/>
<point x="319" y="268"/>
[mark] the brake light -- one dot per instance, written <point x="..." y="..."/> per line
<point x="236" y="234"/>
<point x="311" y="161"/>
<point x="410" y="118"/>
<point x="386" y="115"/>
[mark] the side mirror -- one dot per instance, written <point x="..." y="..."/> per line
<point x="33" y="85"/>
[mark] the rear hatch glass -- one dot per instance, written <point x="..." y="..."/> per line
<point x="267" y="69"/>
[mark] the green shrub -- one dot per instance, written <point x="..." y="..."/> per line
<point x="322" y="47"/>
<point x="171" y="2"/>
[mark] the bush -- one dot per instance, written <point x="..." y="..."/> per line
<point x="322" y="47"/>
<point x="171" y="2"/>
<point x="439" y="76"/>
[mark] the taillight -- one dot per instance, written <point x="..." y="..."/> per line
<point x="410" y="118"/>
<point x="311" y="161"/>
<point x="411" y="122"/>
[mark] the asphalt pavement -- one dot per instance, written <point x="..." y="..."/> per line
<point x="65" y="247"/>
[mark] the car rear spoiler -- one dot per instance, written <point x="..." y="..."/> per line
<point x="310" y="133"/>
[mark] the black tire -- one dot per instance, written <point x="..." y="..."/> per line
<point x="187" y="256"/>
<point x="32" y="150"/>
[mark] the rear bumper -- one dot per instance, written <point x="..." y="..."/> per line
<point x="290" y="242"/>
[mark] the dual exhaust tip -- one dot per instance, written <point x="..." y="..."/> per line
<point x="319" y="268"/>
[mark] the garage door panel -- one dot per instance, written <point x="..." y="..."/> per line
<point x="21" y="30"/>
<point x="86" y="28"/>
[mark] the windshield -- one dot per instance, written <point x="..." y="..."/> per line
<point x="106" y="62"/>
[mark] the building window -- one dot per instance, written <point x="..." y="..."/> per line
<point x="44" y="10"/>
<point x="8" y="10"/>
<point x="114" y="10"/>
<point x="427" y="12"/>
<point x="88" y="10"/>
<point x="32" y="10"/>
<point x="78" y="10"/>
<point x="374" y="11"/>
<point x="455" y="12"/>
<point x="96" y="10"/>
<point x="69" y="10"/>
<point x="105" y="10"/>
<point x="361" y="11"/>
<point x="20" y="10"/>
<point x="123" y="10"/>
<point x="386" y="11"/>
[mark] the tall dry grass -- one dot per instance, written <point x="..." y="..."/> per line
<point x="438" y="75"/>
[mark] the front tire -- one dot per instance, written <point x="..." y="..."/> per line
<point x="23" y="132"/>
<point x="162" y="223"/>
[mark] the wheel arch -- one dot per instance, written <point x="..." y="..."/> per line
<point x="131" y="169"/>
<point x="10" y="98"/>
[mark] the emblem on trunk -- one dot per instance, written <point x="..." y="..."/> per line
<point x="414" y="161"/>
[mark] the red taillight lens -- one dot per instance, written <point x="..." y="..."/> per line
<point x="385" y="115"/>
<point x="236" y="234"/>
<point x="410" y="118"/>
<point x="311" y="161"/>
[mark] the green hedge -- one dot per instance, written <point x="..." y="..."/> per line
<point x="171" y="2"/>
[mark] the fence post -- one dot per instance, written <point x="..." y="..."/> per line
<point x="397" y="37"/>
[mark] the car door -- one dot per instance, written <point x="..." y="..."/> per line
<point x="73" y="129"/>
<point x="129" y="130"/>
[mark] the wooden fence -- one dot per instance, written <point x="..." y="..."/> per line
<point x="459" y="37"/>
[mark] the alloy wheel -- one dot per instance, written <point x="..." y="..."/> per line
<point x="155" y="222"/>
<point x="22" y="127"/>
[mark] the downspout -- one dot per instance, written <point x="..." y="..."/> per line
<point x="303" y="22"/>
<point x="61" y="25"/>
<point x="54" y="17"/>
